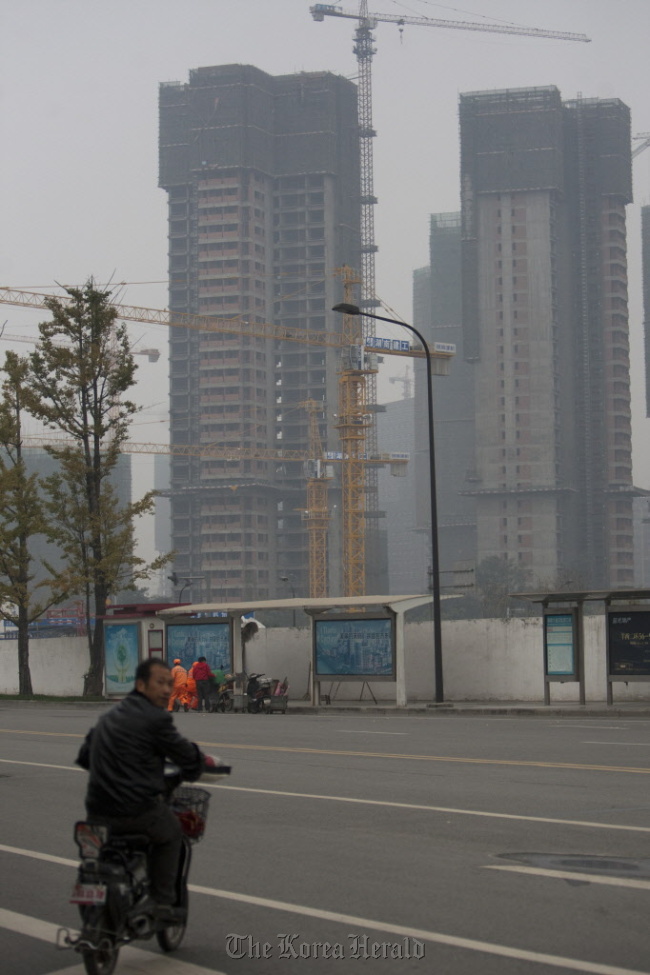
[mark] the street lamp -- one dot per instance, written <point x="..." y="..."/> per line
<point x="347" y="309"/>
<point x="293" y="595"/>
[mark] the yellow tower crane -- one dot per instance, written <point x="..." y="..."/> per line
<point x="354" y="422"/>
<point x="316" y="514"/>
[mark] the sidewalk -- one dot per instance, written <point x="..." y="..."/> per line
<point x="368" y="708"/>
<point x="624" y="709"/>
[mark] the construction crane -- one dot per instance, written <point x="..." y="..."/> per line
<point x="364" y="48"/>
<point x="152" y="354"/>
<point x="644" y="145"/>
<point x="317" y="463"/>
<point x="441" y="353"/>
<point x="354" y="424"/>
<point x="406" y="381"/>
<point x="316" y="514"/>
<point x="361" y="459"/>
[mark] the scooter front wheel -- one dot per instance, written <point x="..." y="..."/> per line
<point x="171" y="936"/>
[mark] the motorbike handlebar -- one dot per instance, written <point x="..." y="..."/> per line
<point x="214" y="766"/>
<point x="218" y="770"/>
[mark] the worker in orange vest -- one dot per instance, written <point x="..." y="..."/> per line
<point x="179" y="691"/>
<point x="192" y="694"/>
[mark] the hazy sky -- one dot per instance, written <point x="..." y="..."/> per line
<point x="79" y="90"/>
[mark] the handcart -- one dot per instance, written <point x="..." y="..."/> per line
<point x="278" y="699"/>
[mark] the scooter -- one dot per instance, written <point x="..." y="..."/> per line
<point x="112" y="888"/>
<point x="258" y="692"/>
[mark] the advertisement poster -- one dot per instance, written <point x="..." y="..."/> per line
<point x="189" y="641"/>
<point x="628" y="643"/>
<point x="122" y="644"/>
<point x="559" y="644"/>
<point x="361" y="648"/>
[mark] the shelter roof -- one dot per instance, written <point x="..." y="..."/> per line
<point x="588" y="595"/>
<point x="313" y="606"/>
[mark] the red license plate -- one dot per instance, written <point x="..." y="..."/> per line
<point x="88" y="894"/>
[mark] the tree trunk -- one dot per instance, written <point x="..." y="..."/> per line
<point x="94" y="679"/>
<point x="24" y="674"/>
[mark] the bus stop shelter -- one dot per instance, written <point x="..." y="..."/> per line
<point x="338" y="608"/>
<point x="627" y="633"/>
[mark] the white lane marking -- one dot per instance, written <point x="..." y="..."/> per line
<point x="47" y="932"/>
<point x="33" y="927"/>
<point x="447" y="810"/>
<point x="393" y="733"/>
<point x="589" y="878"/>
<point x="601" y="727"/>
<point x="66" y="768"/>
<point x="468" y="944"/>
<point x="626" y="744"/>
<point x="35" y="855"/>
<point x="132" y="960"/>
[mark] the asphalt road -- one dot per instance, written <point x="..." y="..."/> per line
<point x="453" y="845"/>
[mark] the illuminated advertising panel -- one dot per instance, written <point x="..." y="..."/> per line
<point x="189" y="641"/>
<point x="354" y="648"/>
<point x="121" y="655"/>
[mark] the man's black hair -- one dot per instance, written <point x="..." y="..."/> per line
<point x="202" y="660"/>
<point x="143" y="670"/>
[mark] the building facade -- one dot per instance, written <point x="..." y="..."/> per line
<point x="544" y="186"/>
<point x="262" y="178"/>
<point x="437" y="312"/>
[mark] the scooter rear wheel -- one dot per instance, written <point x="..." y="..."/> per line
<point x="102" y="959"/>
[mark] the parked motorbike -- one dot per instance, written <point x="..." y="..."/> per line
<point x="112" y="888"/>
<point x="263" y="694"/>
<point x="258" y="692"/>
<point x="226" y="694"/>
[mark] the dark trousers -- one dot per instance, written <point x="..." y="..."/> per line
<point x="163" y="829"/>
<point x="203" y="691"/>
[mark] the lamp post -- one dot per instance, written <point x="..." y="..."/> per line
<point x="347" y="309"/>
<point x="293" y="595"/>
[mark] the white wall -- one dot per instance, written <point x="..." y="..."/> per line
<point x="483" y="660"/>
<point x="57" y="666"/>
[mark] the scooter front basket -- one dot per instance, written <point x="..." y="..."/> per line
<point x="190" y="805"/>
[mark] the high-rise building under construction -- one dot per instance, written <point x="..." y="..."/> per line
<point x="262" y="177"/>
<point x="544" y="185"/>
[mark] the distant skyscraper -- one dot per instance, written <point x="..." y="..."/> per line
<point x="437" y="313"/>
<point x="408" y="541"/>
<point x="43" y="465"/>
<point x="262" y="177"/>
<point x="544" y="185"/>
<point x="645" y="277"/>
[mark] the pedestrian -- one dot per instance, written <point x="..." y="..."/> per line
<point x="179" y="690"/>
<point x="202" y="674"/>
<point x="192" y="695"/>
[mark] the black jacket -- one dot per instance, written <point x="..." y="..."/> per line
<point x="125" y="753"/>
